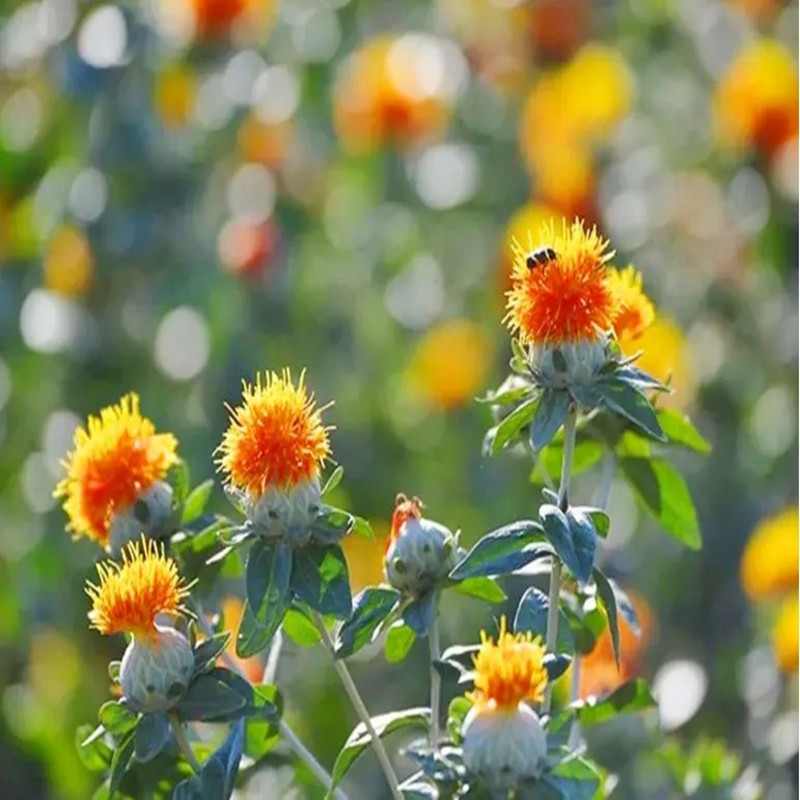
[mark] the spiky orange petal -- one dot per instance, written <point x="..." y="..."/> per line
<point x="112" y="462"/>
<point x="275" y="437"/>
<point x="509" y="671"/>
<point x="404" y="509"/>
<point x="131" y="595"/>
<point x="635" y="312"/>
<point x="567" y="299"/>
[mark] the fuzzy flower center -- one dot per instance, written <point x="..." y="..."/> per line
<point x="275" y="438"/>
<point x="508" y="671"/>
<point x="116" y="458"/>
<point x="131" y="595"/>
<point x="564" y="298"/>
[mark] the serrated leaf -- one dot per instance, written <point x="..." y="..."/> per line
<point x="531" y="615"/>
<point x="502" y="551"/>
<point x="550" y="416"/>
<point x="630" y="403"/>
<point x="320" y="579"/>
<point x="632" y="696"/>
<point x="482" y="587"/>
<point x="609" y="600"/>
<point x="152" y="733"/>
<point x="680" y="430"/>
<point x="370" y="608"/>
<point x="219" y="696"/>
<point x="662" y="491"/>
<point x="267" y="578"/>
<point x="195" y="504"/>
<point x="399" y="641"/>
<point x="331" y="525"/>
<point x="507" y="429"/>
<point x="383" y="725"/>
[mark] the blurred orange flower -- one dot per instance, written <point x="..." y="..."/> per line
<point x="769" y="567"/>
<point x="598" y="670"/>
<point x="450" y="363"/>
<point x="68" y="261"/>
<point x="214" y="18"/>
<point x="558" y="26"/>
<point x="756" y="101"/>
<point x="264" y="143"/>
<point x="392" y="90"/>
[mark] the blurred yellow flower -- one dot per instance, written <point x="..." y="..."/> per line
<point x="784" y="635"/>
<point x="263" y="143"/>
<point x="450" y="363"/>
<point x="665" y="357"/>
<point x="635" y="312"/>
<point x="68" y="261"/>
<point x="174" y="96"/>
<point x="770" y="561"/>
<point x="756" y="101"/>
<point x="364" y="556"/>
<point x="385" y="93"/>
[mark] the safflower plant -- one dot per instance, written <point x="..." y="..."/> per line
<point x="572" y="399"/>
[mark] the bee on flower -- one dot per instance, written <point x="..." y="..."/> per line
<point x="158" y="662"/>
<point x="114" y="488"/>
<point x="503" y="739"/>
<point x="272" y="455"/>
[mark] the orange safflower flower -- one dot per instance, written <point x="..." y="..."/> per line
<point x="508" y="671"/>
<point x="275" y="437"/>
<point x="112" y="463"/>
<point x="130" y="596"/>
<point x="567" y="299"/>
<point x="404" y="509"/>
<point x="635" y="311"/>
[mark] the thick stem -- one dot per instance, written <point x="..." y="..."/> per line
<point x="183" y="743"/>
<point x="555" y="570"/>
<point x="436" y="681"/>
<point x="300" y="750"/>
<point x="361" y="710"/>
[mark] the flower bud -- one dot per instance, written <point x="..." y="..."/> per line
<point x="150" y="514"/>
<point x="156" y="669"/>
<point x="570" y="363"/>
<point x="420" y="555"/>
<point x="286" y="513"/>
<point x="503" y="746"/>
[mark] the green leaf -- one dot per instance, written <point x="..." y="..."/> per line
<point x="370" y="608"/>
<point x="679" y="430"/>
<point x="506" y="430"/>
<point x="219" y="696"/>
<point x="261" y="735"/>
<point x="609" y="600"/>
<point x="584" y="537"/>
<point x="117" y="718"/>
<point x="252" y="638"/>
<point x="267" y="578"/>
<point x="559" y="728"/>
<point x="207" y="652"/>
<point x="178" y="478"/>
<point x="482" y="587"/>
<point x="420" y="613"/>
<point x="575" y="779"/>
<point x="331" y="525"/>
<point x="334" y="479"/>
<point x="360" y="739"/>
<point x="634" y="695"/>
<point x="629" y="402"/>
<point x="93" y="750"/>
<point x="662" y="491"/>
<point x="113" y="670"/>
<point x="120" y="760"/>
<point x="556" y="665"/>
<point x="399" y="641"/>
<point x="531" y="616"/>
<point x="586" y="454"/>
<point x="197" y="501"/>
<point x="550" y="415"/>
<point x="152" y="733"/>
<point x="319" y="578"/>
<point x="573" y="536"/>
<point x="507" y="398"/>
<point x="502" y="551"/>
<point x="362" y="528"/>
<point x="299" y="628"/>
<point x="457" y="710"/>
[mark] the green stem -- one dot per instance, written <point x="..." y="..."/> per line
<point x="361" y="710"/>
<point x="551" y="637"/>
<point x="183" y="743"/>
<point x="436" y="679"/>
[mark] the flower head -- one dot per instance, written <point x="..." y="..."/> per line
<point x="567" y="299"/>
<point x="404" y="509"/>
<point x="131" y="595"/>
<point x="112" y="463"/>
<point x="635" y="312"/>
<point x="509" y="671"/>
<point x="275" y="438"/>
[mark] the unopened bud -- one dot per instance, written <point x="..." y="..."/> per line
<point x="571" y="363"/>
<point x="286" y="513"/>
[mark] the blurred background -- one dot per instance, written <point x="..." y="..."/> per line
<point x="194" y="190"/>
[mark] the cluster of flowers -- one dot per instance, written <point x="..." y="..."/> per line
<point x="568" y="310"/>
